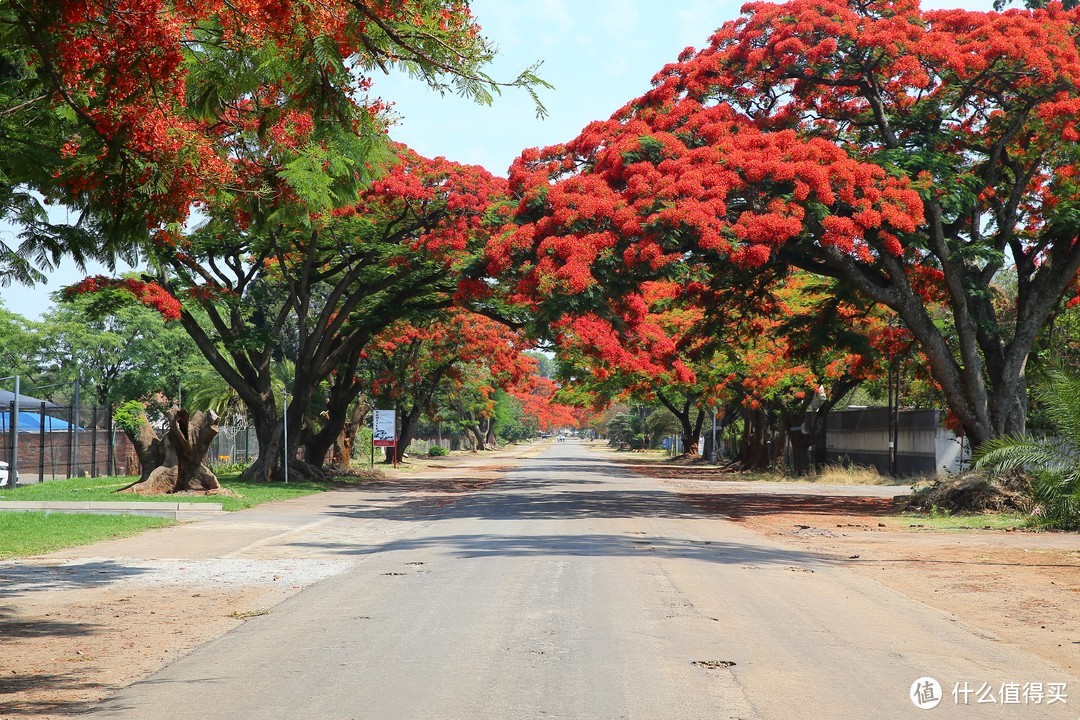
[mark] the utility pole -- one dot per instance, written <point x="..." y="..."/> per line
<point x="13" y="467"/>
<point x="75" y="433"/>
<point x="285" y="427"/>
<point x="713" y="453"/>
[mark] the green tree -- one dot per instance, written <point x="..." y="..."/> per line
<point x="19" y="349"/>
<point x="126" y="353"/>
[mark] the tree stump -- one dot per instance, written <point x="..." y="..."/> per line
<point x="176" y="462"/>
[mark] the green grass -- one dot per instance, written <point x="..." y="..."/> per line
<point x="33" y="533"/>
<point x="104" y="489"/>
<point x="935" y="521"/>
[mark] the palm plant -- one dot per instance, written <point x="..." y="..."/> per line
<point x="1054" y="461"/>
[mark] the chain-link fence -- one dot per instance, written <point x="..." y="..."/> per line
<point x="46" y="441"/>
<point x="235" y="444"/>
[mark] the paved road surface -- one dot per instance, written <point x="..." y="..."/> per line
<point x="573" y="589"/>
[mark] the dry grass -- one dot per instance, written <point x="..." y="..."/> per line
<point x="856" y="475"/>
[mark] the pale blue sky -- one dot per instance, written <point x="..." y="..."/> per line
<point x="598" y="54"/>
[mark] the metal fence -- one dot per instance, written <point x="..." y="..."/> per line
<point x="52" y="442"/>
<point x="233" y="445"/>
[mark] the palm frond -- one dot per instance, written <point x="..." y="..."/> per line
<point x="1018" y="452"/>
<point x="1060" y="394"/>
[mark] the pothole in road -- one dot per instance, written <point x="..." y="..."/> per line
<point x="713" y="664"/>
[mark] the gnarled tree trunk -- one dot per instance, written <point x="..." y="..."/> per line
<point x="176" y="463"/>
<point x="345" y="442"/>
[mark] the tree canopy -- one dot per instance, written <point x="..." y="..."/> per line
<point x="132" y="112"/>
<point x="911" y="154"/>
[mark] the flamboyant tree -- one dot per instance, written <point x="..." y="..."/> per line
<point x="316" y="291"/>
<point x="911" y="154"/>
<point x="129" y="111"/>
<point x="645" y="346"/>
<point x="539" y="402"/>
<point x="410" y="362"/>
<point x="772" y="358"/>
<point x="784" y="368"/>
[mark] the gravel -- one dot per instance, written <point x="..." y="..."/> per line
<point x="22" y="576"/>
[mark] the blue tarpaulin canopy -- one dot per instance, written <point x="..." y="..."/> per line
<point x="30" y="422"/>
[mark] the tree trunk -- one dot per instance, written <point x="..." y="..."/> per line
<point x="344" y="394"/>
<point x="148" y="448"/>
<point x="478" y="436"/>
<point x="800" y="450"/>
<point x="491" y="440"/>
<point x="181" y="456"/>
<point x="270" y="431"/>
<point x="267" y="466"/>
<point x="755" y="454"/>
<point x="408" y="430"/>
<point x="813" y="423"/>
<point x="345" y="443"/>
<point x="691" y="428"/>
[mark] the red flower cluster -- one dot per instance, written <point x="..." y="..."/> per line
<point x="150" y="294"/>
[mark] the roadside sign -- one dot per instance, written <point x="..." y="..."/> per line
<point x="385" y="429"/>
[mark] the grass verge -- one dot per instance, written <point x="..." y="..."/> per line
<point x="247" y="494"/>
<point x="34" y="533"/>
<point x="934" y="522"/>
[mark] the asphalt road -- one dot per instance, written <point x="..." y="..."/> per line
<point x="573" y="589"/>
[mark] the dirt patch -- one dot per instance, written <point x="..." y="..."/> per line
<point x="743" y="505"/>
<point x="70" y="648"/>
<point x="78" y="630"/>
<point x="1019" y="587"/>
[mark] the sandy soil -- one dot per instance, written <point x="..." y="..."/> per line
<point x="1019" y="587"/>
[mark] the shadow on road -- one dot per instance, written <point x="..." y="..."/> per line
<point x="525" y="501"/>
<point x="585" y="545"/>
<point x="18" y="578"/>
<point x="12" y="683"/>
<point x="13" y="627"/>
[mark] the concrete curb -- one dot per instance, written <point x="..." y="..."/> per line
<point x="174" y="510"/>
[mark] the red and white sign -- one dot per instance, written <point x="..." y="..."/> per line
<point x="384" y="429"/>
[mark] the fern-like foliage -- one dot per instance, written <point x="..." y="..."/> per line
<point x="1054" y="461"/>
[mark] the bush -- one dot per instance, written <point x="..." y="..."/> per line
<point x="437" y="451"/>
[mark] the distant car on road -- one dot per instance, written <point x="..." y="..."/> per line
<point x="3" y="474"/>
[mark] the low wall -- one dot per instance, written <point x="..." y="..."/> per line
<point x="860" y="436"/>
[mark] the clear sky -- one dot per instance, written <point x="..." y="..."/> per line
<point x="598" y="54"/>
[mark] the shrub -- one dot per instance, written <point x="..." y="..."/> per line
<point x="437" y="451"/>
